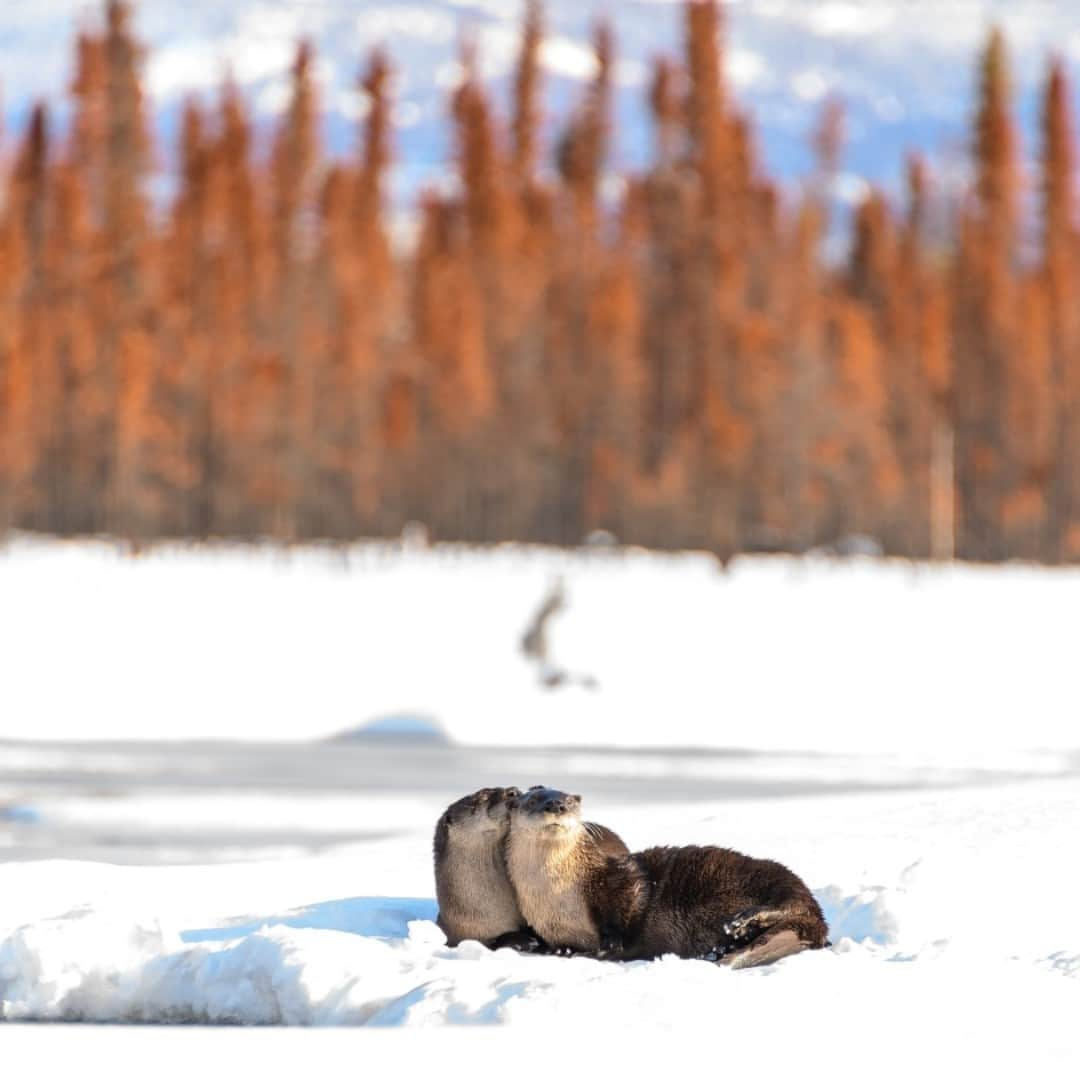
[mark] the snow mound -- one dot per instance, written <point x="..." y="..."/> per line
<point x="366" y="962"/>
<point x="424" y="729"/>
<point x="362" y="961"/>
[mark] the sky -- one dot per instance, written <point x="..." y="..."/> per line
<point x="904" y="68"/>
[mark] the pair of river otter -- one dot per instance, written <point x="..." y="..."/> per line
<point x="524" y="870"/>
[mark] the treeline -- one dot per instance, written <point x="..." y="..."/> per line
<point x="669" y="357"/>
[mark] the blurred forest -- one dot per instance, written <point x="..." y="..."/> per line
<point x="667" y="356"/>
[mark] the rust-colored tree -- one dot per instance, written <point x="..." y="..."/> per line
<point x="669" y="356"/>
<point x="985" y="326"/>
<point x="24" y="353"/>
<point x="1059" y="254"/>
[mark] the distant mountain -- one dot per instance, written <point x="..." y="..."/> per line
<point x="905" y="68"/>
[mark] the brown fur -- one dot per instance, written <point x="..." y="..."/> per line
<point x="476" y="900"/>
<point x="565" y="872"/>
<point x="692" y="901"/>
<point x="711" y="901"/>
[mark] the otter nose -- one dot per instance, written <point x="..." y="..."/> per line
<point x="557" y="804"/>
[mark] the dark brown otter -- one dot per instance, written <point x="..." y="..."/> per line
<point x="704" y="902"/>
<point x="476" y="900"/>
<point x="716" y="903"/>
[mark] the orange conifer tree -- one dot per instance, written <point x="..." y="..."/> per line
<point x="69" y="479"/>
<point x="288" y="380"/>
<point x="24" y="341"/>
<point x="1059" y="253"/>
<point x="526" y="119"/>
<point x="127" y="353"/>
<point x="985" y="325"/>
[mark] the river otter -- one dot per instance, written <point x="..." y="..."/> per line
<point x="703" y="902"/>
<point x="475" y="896"/>
<point x="572" y="887"/>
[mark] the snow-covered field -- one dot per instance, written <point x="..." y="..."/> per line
<point x="953" y="663"/>
<point x="903" y="737"/>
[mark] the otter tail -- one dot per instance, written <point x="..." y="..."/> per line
<point x="771" y="946"/>
<point x="762" y="935"/>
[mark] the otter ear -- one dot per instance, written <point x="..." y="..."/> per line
<point x="577" y="797"/>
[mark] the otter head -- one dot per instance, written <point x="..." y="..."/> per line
<point x="546" y="809"/>
<point x="483" y="812"/>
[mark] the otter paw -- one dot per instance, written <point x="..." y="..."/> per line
<point x="611" y="946"/>
<point x="520" y="940"/>
<point x="749" y="923"/>
<point x="531" y="944"/>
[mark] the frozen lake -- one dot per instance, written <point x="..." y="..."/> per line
<point x="193" y="802"/>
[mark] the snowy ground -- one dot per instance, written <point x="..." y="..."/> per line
<point x="952" y="912"/>
<point x="271" y="874"/>
<point x="956" y="664"/>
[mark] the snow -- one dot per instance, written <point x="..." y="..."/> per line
<point x="951" y="914"/>
<point x="852" y="656"/>
<point x="902" y="736"/>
